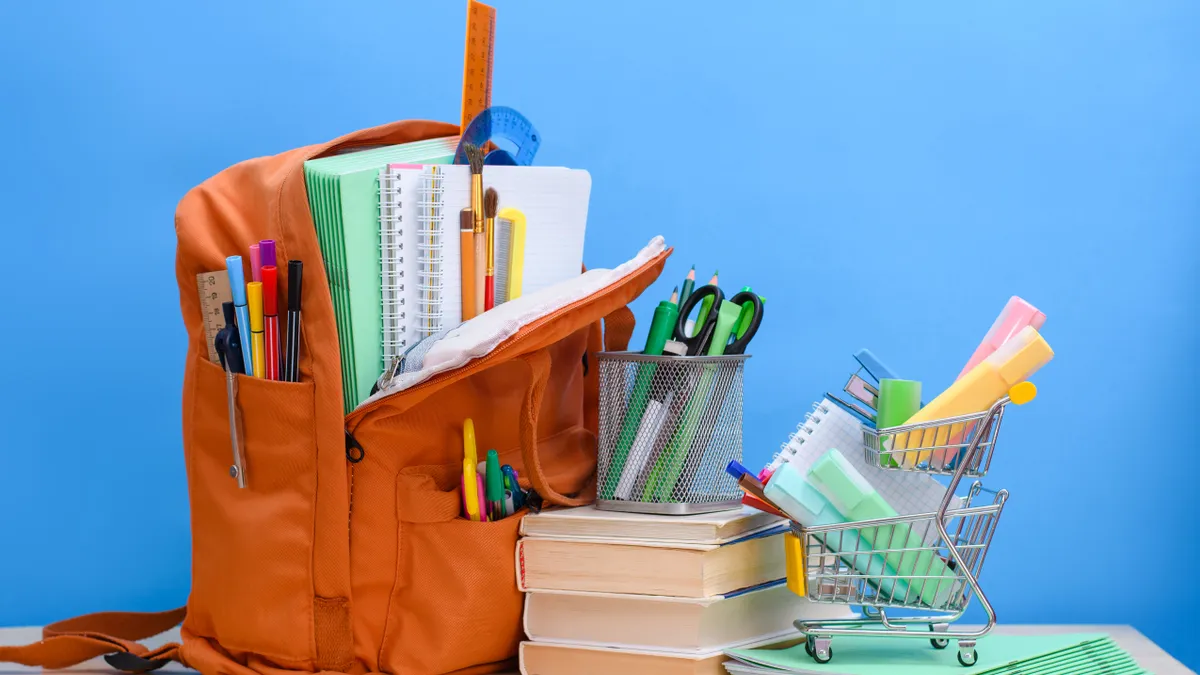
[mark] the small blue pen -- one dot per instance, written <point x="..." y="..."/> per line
<point x="237" y="285"/>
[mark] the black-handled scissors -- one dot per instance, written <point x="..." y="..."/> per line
<point x="738" y="346"/>
<point x="698" y="343"/>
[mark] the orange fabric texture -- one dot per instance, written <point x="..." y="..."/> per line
<point x="321" y="564"/>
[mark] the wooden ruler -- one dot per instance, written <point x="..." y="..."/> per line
<point x="213" y="288"/>
<point x="477" y="61"/>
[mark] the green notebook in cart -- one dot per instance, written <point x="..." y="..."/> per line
<point x="343" y="195"/>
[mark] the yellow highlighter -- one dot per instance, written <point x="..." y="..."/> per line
<point x="254" y="297"/>
<point x="1014" y="362"/>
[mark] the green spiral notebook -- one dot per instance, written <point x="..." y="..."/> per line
<point x="343" y="195"/>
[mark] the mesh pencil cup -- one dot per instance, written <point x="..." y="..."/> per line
<point x="669" y="425"/>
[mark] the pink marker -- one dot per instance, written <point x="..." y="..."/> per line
<point x="483" y="516"/>
<point x="255" y="263"/>
<point x="1017" y="314"/>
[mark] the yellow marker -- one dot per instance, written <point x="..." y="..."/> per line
<point x="254" y="294"/>
<point x="470" y="489"/>
<point x="976" y="391"/>
<point x="513" y="252"/>
<point x="797" y="575"/>
<point x="469" y="442"/>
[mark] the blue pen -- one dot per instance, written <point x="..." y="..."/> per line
<point x="237" y="285"/>
<point x="511" y="483"/>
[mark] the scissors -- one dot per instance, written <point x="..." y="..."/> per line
<point x="700" y="342"/>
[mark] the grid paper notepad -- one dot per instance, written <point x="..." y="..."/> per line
<point x="829" y="426"/>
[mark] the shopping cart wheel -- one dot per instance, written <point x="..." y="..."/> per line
<point x="822" y="650"/>
<point x="938" y="643"/>
<point x="968" y="658"/>
<point x="808" y="645"/>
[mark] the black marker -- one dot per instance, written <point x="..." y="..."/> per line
<point x="291" y="364"/>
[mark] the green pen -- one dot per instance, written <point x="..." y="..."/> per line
<point x="494" y="487"/>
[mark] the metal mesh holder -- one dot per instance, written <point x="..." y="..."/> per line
<point x="669" y="425"/>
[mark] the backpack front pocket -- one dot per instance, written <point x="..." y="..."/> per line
<point x="455" y="593"/>
<point x="252" y="588"/>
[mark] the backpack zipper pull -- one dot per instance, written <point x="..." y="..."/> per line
<point x="354" y="450"/>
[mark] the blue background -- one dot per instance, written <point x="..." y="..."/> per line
<point x="886" y="174"/>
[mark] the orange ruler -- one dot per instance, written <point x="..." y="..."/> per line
<point x="477" y="61"/>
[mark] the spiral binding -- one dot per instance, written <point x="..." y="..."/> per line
<point x="802" y="433"/>
<point x="391" y="266"/>
<point x="430" y="234"/>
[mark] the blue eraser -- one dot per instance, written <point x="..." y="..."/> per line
<point x="736" y="469"/>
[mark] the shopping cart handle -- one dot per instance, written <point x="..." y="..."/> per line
<point x="1022" y="392"/>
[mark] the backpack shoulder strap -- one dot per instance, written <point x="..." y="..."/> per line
<point x="115" y="634"/>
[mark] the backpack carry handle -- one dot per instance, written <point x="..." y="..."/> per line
<point x="618" y="328"/>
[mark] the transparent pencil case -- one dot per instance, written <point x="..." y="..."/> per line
<point x="669" y="425"/>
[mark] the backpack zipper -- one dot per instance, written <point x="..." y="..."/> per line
<point x="356" y="417"/>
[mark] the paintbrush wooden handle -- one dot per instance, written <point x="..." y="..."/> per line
<point x="467" y="251"/>
<point x="480" y="269"/>
<point x="489" y="292"/>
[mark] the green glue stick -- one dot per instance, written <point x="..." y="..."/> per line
<point x="665" y="316"/>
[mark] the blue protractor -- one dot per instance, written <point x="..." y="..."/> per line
<point x="501" y="122"/>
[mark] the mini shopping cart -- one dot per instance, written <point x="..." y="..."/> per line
<point x="925" y="566"/>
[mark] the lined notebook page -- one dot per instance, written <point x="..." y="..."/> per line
<point x="554" y="201"/>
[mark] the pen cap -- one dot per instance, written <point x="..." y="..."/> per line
<point x="665" y="316"/>
<point x="1016" y="315"/>
<point x="254" y="299"/>
<point x="295" y="278"/>
<point x="270" y="290"/>
<point x="1021" y="356"/>
<point x="266" y="251"/>
<point x="255" y="263"/>
<point x="237" y="279"/>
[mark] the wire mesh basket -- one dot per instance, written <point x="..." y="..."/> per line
<point x="669" y="425"/>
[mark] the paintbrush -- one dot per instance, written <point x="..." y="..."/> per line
<point x="491" y="204"/>
<point x="475" y="159"/>
<point x="466" y="238"/>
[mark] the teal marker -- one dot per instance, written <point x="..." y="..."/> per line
<point x="494" y="487"/>
<point x="661" y="328"/>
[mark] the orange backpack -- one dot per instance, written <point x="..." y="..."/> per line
<point x="324" y="564"/>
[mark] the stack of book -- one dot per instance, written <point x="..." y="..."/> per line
<point x="664" y="595"/>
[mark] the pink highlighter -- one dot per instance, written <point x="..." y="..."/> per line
<point x="1015" y="316"/>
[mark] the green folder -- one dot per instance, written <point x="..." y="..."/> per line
<point x="1079" y="653"/>
<point x="343" y="195"/>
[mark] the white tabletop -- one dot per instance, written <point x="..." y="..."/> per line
<point x="1148" y="654"/>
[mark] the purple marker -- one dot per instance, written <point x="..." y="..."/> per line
<point x="266" y="251"/>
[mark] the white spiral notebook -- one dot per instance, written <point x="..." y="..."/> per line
<point x="829" y="426"/>
<point x="419" y="244"/>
